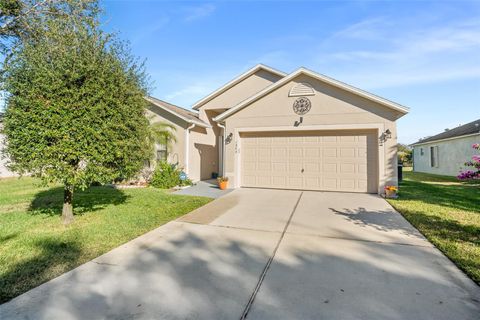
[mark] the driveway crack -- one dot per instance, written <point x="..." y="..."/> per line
<point x="269" y="262"/>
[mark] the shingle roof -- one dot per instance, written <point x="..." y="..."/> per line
<point x="469" y="128"/>
<point x="182" y="113"/>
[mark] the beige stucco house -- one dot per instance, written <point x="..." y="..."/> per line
<point x="301" y="130"/>
<point x="446" y="153"/>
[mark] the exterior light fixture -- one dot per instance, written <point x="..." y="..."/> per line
<point x="385" y="136"/>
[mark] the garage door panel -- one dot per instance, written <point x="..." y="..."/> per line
<point x="331" y="139"/>
<point x="295" y="182"/>
<point x="280" y="181"/>
<point x="250" y="154"/>
<point x="311" y="152"/>
<point x="295" y="167"/>
<point x="280" y="167"/>
<point x="279" y="152"/>
<point x="295" y="152"/>
<point x="264" y="166"/>
<point x="312" y="167"/>
<point x="333" y="161"/>
<point x="347" y="152"/>
<point x="329" y="168"/>
<point x="330" y="152"/>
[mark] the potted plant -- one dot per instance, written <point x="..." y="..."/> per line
<point x="391" y="191"/>
<point x="222" y="182"/>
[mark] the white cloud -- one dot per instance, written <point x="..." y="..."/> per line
<point x="393" y="56"/>
<point x="198" y="12"/>
<point x="363" y="30"/>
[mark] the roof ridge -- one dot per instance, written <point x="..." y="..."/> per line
<point x="235" y="81"/>
<point x="461" y="130"/>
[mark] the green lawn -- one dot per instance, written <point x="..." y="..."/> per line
<point x="35" y="247"/>
<point x="447" y="212"/>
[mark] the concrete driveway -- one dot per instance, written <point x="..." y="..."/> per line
<point x="265" y="254"/>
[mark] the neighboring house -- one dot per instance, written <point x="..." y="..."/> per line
<point x="446" y="152"/>
<point x="301" y="130"/>
<point x="4" y="172"/>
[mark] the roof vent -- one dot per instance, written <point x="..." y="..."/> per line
<point x="301" y="89"/>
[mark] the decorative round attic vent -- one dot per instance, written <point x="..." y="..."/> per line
<point x="301" y="89"/>
<point x="301" y="106"/>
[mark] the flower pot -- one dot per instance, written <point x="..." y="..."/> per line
<point x="223" y="185"/>
<point x="390" y="193"/>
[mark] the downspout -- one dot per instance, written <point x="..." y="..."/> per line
<point x="187" y="147"/>
<point x="222" y="126"/>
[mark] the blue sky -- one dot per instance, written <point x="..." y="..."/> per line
<point x="424" y="55"/>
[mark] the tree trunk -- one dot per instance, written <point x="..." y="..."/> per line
<point x="67" y="212"/>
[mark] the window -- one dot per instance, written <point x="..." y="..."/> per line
<point x="421" y="152"/>
<point x="162" y="153"/>
<point x="434" y="157"/>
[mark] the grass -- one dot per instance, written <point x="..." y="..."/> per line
<point x="35" y="247"/>
<point x="447" y="212"/>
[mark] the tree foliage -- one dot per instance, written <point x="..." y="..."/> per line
<point x="404" y="153"/>
<point x="161" y="133"/>
<point x="75" y="102"/>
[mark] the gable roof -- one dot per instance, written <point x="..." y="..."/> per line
<point x="235" y="81"/>
<point x="318" y="76"/>
<point x="460" y="131"/>
<point x="184" y="114"/>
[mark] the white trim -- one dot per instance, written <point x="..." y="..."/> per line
<point x="446" y="139"/>
<point x="328" y="80"/>
<point x="380" y="127"/>
<point x="198" y="123"/>
<point x="233" y="82"/>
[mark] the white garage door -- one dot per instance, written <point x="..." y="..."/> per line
<point x="332" y="161"/>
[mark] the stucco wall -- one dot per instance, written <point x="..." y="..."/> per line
<point x="203" y="154"/>
<point x="204" y="148"/>
<point x="452" y="154"/>
<point x="241" y="91"/>
<point x="330" y="106"/>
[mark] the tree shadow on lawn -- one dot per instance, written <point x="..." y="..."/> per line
<point x="54" y="255"/>
<point x="50" y="202"/>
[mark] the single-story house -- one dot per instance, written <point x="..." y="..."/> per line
<point x="302" y="130"/>
<point x="446" y="152"/>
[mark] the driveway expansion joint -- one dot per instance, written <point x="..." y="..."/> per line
<point x="269" y="262"/>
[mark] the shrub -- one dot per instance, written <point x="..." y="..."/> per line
<point x="475" y="164"/>
<point x="167" y="176"/>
